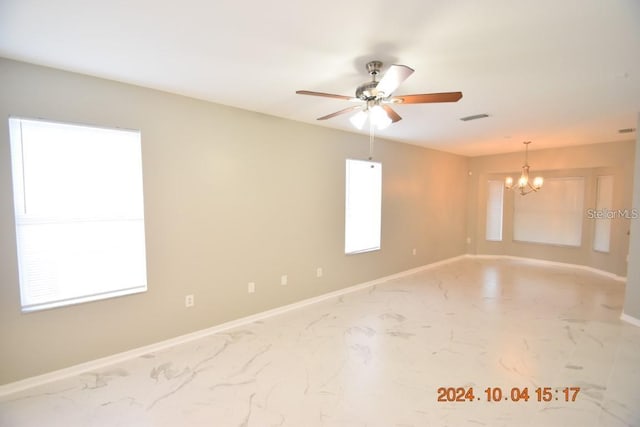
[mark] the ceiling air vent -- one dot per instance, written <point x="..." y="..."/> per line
<point x="474" y="117"/>
<point x="626" y="130"/>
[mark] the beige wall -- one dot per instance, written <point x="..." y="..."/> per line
<point x="588" y="161"/>
<point x="632" y="291"/>
<point x="230" y="197"/>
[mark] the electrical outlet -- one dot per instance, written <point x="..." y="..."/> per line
<point x="468" y="240"/>
<point x="283" y="279"/>
<point x="414" y="251"/>
<point x="251" y="288"/>
<point x="189" y="301"/>
<point x="319" y="272"/>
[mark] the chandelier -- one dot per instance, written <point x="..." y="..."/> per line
<point x="524" y="185"/>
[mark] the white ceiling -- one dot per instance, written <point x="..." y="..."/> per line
<point x="555" y="72"/>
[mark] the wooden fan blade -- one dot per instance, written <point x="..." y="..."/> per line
<point x="394" y="76"/>
<point x="337" y="113"/>
<point x="395" y="117"/>
<point x="427" y="98"/>
<point x="326" y="95"/>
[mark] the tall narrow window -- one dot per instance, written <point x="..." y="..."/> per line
<point x="78" y="212"/>
<point x="553" y="215"/>
<point x="604" y="204"/>
<point x="363" y="206"/>
<point x="495" y="191"/>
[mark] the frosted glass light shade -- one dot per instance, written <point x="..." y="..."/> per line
<point x="537" y="182"/>
<point x="358" y="119"/>
<point x="523" y="181"/>
<point x="379" y="117"/>
<point x="508" y="182"/>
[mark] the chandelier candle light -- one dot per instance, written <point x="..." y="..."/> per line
<point x="524" y="186"/>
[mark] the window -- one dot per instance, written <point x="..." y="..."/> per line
<point x="78" y="212"/>
<point x="363" y="206"/>
<point x="495" y="191"/>
<point x="604" y="203"/>
<point x="553" y="215"/>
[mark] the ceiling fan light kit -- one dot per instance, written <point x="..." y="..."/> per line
<point x="524" y="185"/>
<point x="376" y="115"/>
<point x="376" y="97"/>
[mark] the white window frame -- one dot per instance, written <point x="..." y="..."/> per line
<point x="363" y="206"/>
<point x="79" y="215"/>
<point x="495" y="210"/>
<point x="604" y="204"/>
<point x="552" y="216"/>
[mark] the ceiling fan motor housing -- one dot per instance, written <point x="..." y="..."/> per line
<point x="367" y="91"/>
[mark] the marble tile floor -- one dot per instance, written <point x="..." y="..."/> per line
<point x="378" y="356"/>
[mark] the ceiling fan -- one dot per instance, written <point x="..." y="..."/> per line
<point x="376" y="97"/>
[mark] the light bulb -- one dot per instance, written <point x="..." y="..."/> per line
<point x="537" y="182"/>
<point x="508" y="182"/>
<point x="523" y="181"/>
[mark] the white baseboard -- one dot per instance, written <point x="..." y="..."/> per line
<point x="552" y="264"/>
<point x="630" y="319"/>
<point x="97" y="364"/>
